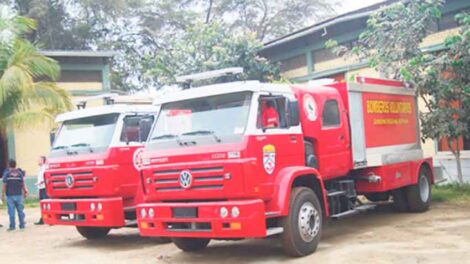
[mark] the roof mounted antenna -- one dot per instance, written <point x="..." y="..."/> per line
<point x="108" y="99"/>
<point x="187" y="80"/>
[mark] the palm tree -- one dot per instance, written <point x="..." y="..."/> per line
<point x="28" y="93"/>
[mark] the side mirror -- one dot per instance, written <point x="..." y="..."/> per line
<point x="293" y="113"/>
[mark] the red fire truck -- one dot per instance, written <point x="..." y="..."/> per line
<point x="92" y="175"/>
<point x="213" y="170"/>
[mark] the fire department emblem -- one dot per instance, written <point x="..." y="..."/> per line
<point x="310" y="107"/>
<point x="186" y="179"/>
<point x="69" y="180"/>
<point x="137" y="158"/>
<point x="269" y="158"/>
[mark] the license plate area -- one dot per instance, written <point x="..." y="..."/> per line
<point x="186" y="212"/>
<point x="68" y="206"/>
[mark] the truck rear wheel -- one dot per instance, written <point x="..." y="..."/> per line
<point x="93" y="232"/>
<point x="419" y="195"/>
<point x="303" y="225"/>
<point x="191" y="244"/>
<point x="400" y="202"/>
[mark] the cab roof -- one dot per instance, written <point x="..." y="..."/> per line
<point x="222" y="88"/>
<point x="106" y="109"/>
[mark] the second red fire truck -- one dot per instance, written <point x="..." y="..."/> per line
<point x="92" y="175"/>
<point x="212" y="170"/>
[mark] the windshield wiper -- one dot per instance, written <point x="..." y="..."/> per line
<point x="203" y="132"/>
<point x="60" y="147"/>
<point x="82" y="145"/>
<point x="168" y="136"/>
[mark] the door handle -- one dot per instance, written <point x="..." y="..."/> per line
<point x="341" y="137"/>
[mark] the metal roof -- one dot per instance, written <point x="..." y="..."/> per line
<point x="363" y="12"/>
<point x="78" y="53"/>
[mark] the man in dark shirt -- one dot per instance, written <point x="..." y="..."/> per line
<point x="15" y="189"/>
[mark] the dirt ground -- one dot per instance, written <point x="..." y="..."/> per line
<point x="441" y="235"/>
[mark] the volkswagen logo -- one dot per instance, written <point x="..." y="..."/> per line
<point x="186" y="179"/>
<point x="69" y="180"/>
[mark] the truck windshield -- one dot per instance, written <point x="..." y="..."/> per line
<point x="85" y="135"/>
<point x="209" y="120"/>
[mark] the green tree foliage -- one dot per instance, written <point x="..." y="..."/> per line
<point x="140" y="30"/>
<point x="391" y="45"/>
<point x="447" y="80"/>
<point x="207" y="47"/>
<point x="26" y="95"/>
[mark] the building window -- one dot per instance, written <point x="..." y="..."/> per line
<point x="294" y="63"/>
<point x="330" y="115"/>
<point x="323" y="55"/>
<point x="463" y="143"/>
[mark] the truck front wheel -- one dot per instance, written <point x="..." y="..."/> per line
<point x="191" y="244"/>
<point x="303" y="225"/>
<point x="93" y="232"/>
<point x="419" y="195"/>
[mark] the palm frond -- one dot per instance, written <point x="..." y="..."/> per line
<point x="31" y="118"/>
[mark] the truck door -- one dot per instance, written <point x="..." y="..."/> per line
<point x="277" y="145"/>
<point x="334" y="150"/>
<point x="135" y="130"/>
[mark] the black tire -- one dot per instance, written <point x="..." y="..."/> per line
<point x="378" y="197"/>
<point x="400" y="202"/>
<point x="191" y="244"/>
<point x="295" y="242"/>
<point x="419" y="195"/>
<point x="93" y="232"/>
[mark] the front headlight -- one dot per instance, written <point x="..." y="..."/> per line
<point x="235" y="212"/>
<point x="223" y="212"/>
<point x="48" y="207"/>
<point x="99" y="207"/>
<point x="151" y="212"/>
<point x="143" y="213"/>
<point x="92" y="206"/>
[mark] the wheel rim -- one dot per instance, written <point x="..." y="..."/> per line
<point x="309" y="222"/>
<point x="424" y="188"/>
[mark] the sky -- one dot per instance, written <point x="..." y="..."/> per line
<point x="350" y="5"/>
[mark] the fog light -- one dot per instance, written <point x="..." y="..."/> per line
<point x="99" y="207"/>
<point x="143" y="213"/>
<point x="92" y="206"/>
<point x="151" y="213"/>
<point x="223" y="212"/>
<point x="235" y="212"/>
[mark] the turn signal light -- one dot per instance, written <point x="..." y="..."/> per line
<point x="236" y="225"/>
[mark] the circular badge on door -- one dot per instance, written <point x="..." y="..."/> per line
<point x="137" y="159"/>
<point x="310" y="107"/>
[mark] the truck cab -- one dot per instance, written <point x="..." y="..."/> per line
<point x="213" y="168"/>
<point x="92" y="174"/>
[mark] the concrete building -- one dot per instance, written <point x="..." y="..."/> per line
<point x="83" y="74"/>
<point x="303" y="57"/>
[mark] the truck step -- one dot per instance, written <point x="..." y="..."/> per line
<point x="131" y="223"/>
<point x="357" y="210"/>
<point x="335" y="193"/>
<point x="274" y="231"/>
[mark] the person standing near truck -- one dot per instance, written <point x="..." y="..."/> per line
<point x="41" y="184"/>
<point x="15" y="190"/>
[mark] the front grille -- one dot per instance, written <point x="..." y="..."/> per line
<point x="204" y="178"/>
<point x="82" y="180"/>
